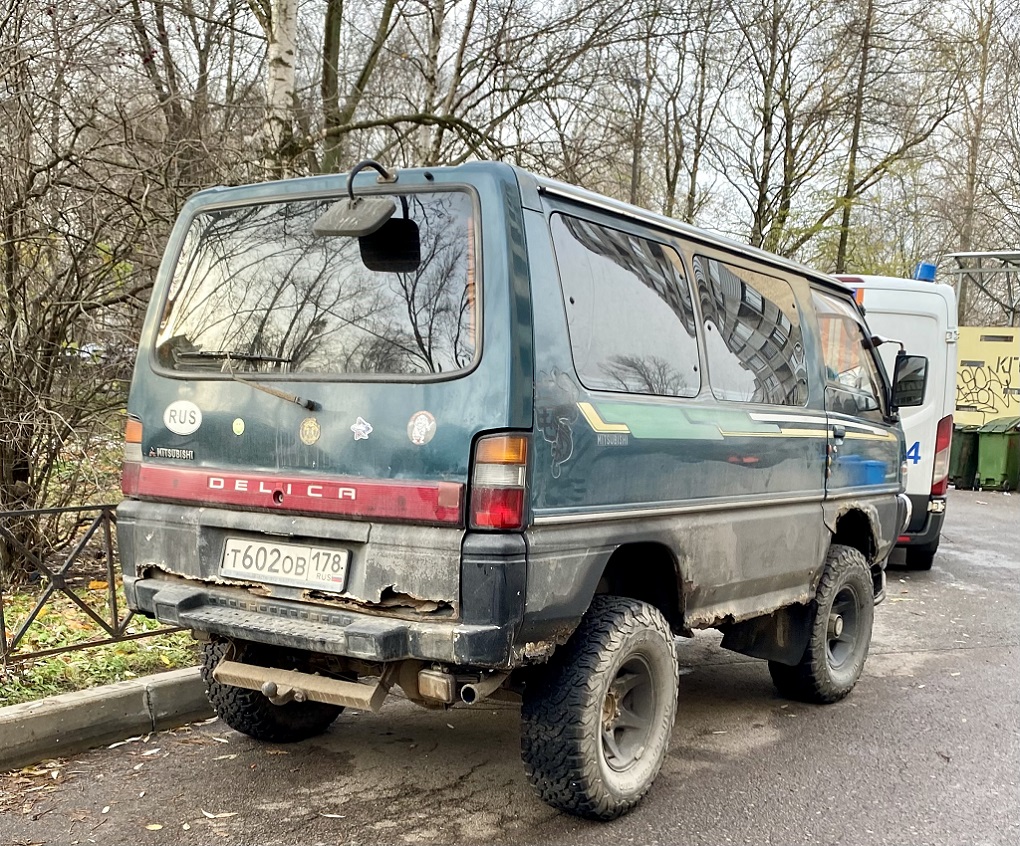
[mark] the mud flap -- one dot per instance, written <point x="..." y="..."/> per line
<point x="780" y="636"/>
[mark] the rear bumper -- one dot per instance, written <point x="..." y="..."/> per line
<point x="926" y="526"/>
<point x="171" y="554"/>
<point x="232" y="613"/>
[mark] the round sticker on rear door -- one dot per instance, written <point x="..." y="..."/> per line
<point x="182" y="417"/>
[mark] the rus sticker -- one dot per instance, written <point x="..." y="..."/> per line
<point x="182" y="417"/>
<point x="421" y="428"/>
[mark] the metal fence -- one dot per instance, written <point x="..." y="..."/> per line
<point x="95" y="540"/>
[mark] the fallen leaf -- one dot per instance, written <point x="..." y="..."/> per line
<point x="225" y="757"/>
<point x="122" y="742"/>
<point x="106" y="810"/>
<point x="153" y="826"/>
<point x="151" y="751"/>
<point x="334" y="816"/>
<point x="220" y="739"/>
<point x="96" y="584"/>
<point x="222" y="816"/>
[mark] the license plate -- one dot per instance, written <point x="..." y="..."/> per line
<point x="315" y="567"/>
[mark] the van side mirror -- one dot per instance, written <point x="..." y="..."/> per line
<point x="910" y="378"/>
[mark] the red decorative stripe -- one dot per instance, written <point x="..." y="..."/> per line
<point x="434" y="503"/>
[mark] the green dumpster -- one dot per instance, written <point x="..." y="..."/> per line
<point x="999" y="454"/>
<point x="963" y="457"/>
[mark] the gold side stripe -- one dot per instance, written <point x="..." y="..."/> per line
<point x="598" y="424"/>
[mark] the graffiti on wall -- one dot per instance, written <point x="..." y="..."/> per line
<point x="988" y="375"/>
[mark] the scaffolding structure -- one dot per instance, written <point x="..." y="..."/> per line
<point x="987" y="286"/>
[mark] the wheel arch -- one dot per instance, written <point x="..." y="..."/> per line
<point x="857" y="525"/>
<point x="647" y="571"/>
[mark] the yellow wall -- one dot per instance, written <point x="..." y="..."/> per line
<point x="988" y="377"/>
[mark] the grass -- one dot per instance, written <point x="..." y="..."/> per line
<point x="87" y="470"/>
<point x="62" y="623"/>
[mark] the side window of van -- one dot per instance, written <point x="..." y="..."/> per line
<point x="752" y="335"/>
<point x="853" y="384"/>
<point x="629" y="312"/>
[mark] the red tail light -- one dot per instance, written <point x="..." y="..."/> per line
<point x="131" y="467"/>
<point x="940" y="470"/>
<point x="498" y="478"/>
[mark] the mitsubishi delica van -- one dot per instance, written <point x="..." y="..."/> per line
<point x="471" y="433"/>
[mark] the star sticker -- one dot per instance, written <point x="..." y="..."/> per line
<point x="362" y="429"/>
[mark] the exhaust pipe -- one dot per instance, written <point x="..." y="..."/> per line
<point x="475" y="691"/>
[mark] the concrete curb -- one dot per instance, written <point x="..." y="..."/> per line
<point x="65" y="724"/>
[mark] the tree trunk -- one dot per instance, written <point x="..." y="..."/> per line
<point x="855" y="140"/>
<point x="975" y="142"/>
<point x="281" y="37"/>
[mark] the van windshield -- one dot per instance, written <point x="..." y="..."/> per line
<point x="255" y="291"/>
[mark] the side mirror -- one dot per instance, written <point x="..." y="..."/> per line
<point x="910" y="378"/>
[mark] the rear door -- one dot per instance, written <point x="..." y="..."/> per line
<point x="294" y="374"/>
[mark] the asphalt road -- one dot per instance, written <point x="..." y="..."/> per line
<point x="925" y="751"/>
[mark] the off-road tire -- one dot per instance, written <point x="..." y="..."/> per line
<point x="596" y="720"/>
<point x="249" y="711"/>
<point x="832" y="664"/>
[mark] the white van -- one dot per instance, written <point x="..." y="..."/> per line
<point x="922" y="315"/>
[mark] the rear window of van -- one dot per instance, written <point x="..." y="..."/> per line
<point x="256" y="291"/>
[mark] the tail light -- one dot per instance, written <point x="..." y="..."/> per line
<point x="132" y="465"/>
<point x="940" y="470"/>
<point x="498" y="482"/>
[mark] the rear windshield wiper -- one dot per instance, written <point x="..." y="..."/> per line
<point x="230" y="355"/>
<point x="311" y="405"/>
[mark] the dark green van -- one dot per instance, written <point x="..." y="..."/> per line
<point x="477" y="433"/>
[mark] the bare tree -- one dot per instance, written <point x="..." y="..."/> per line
<point x="68" y="258"/>
<point x="780" y="135"/>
